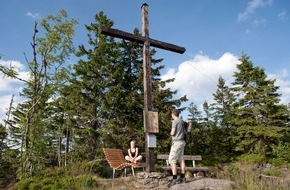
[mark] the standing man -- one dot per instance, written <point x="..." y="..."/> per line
<point x="177" y="148"/>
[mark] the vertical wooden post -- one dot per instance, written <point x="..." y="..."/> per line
<point x="147" y="85"/>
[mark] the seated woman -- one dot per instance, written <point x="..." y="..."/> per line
<point x="133" y="153"/>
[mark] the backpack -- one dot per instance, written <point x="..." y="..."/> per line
<point x="187" y="127"/>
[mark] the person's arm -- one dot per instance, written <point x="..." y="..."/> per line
<point x="172" y="133"/>
<point x="136" y="153"/>
<point x="129" y="153"/>
<point x="173" y="129"/>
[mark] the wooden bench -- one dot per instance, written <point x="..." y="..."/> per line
<point x="116" y="160"/>
<point x="192" y="158"/>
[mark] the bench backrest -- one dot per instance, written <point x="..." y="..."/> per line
<point x="115" y="157"/>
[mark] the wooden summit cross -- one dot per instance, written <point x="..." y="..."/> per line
<point x="146" y="41"/>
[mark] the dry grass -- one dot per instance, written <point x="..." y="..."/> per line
<point x="253" y="177"/>
<point x="122" y="183"/>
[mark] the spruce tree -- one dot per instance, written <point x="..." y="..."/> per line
<point x="90" y="84"/>
<point x="260" y="119"/>
<point x="196" y="139"/>
<point x="222" y="114"/>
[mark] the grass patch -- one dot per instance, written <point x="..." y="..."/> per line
<point x="254" y="177"/>
<point x="57" y="183"/>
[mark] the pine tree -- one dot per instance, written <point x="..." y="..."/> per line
<point x="196" y="140"/>
<point x="90" y="85"/>
<point x="223" y="130"/>
<point x="259" y="117"/>
<point x="125" y="97"/>
<point x="223" y="104"/>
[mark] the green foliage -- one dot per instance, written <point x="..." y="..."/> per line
<point x="277" y="162"/>
<point x="245" y="122"/>
<point x="97" y="168"/>
<point x="31" y="126"/>
<point x="56" y="46"/>
<point x="8" y="160"/>
<point x="78" y="175"/>
<point x="273" y="171"/>
<point x="259" y="119"/>
<point x="252" y="159"/>
<point x="281" y="151"/>
<point x="57" y="183"/>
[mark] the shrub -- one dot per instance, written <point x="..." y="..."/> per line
<point x="272" y="171"/>
<point x="252" y="159"/>
<point x="277" y="161"/>
<point x="97" y="168"/>
<point x="282" y="151"/>
<point x="57" y="183"/>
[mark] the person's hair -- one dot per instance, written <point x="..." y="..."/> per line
<point x="176" y="112"/>
<point x="133" y="141"/>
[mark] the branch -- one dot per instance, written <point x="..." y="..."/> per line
<point x="10" y="72"/>
<point x="9" y="111"/>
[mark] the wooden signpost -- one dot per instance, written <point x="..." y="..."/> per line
<point x="147" y="42"/>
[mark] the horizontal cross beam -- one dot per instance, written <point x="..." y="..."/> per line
<point x="140" y="39"/>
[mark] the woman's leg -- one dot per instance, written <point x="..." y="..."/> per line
<point x="139" y="158"/>
<point x="128" y="158"/>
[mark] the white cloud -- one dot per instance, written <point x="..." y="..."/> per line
<point x="283" y="15"/>
<point x="10" y="86"/>
<point x="283" y="83"/>
<point x="5" y="104"/>
<point x="197" y="78"/>
<point x="35" y="16"/>
<point x="251" y="8"/>
<point x="259" y="22"/>
<point x="247" y="31"/>
<point x="6" y="83"/>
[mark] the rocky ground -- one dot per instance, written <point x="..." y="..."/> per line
<point x="159" y="181"/>
<point x="253" y="177"/>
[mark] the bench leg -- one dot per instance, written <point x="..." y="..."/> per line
<point x="133" y="172"/>
<point x="114" y="173"/>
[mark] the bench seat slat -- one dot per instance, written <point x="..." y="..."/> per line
<point x="192" y="158"/>
<point x="196" y="169"/>
<point x="186" y="157"/>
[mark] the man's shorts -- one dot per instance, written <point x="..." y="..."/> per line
<point x="176" y="151"/>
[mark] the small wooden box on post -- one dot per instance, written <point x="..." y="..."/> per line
<point x="152" y="125"/>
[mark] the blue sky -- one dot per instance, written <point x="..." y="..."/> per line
<point x="214" y="33"/>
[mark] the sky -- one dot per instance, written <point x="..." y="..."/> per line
<point x="214" y="34"/>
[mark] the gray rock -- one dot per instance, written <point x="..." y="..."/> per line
<point x="205" y="184"/>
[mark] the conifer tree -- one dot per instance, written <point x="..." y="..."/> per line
<point x="8" y="160"/>
<point x="223" y="129"/>
<point x="90" y="85"/>
<point x="260" y="119"/>
<point x="196" y="140"/>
